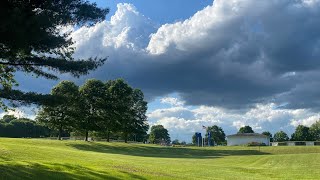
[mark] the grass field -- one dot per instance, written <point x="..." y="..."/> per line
<point x="51" y="159"/>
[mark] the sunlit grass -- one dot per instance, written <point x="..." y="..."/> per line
<point x="51" y="159"/>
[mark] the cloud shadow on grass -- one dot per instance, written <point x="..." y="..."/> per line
<point x="163" y="152"/>
<point x="32" y="171"/>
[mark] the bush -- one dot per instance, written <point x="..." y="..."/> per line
<point x="256" y="144"/>
<point x="300" y="143"/>
<point x="282" y="144"/>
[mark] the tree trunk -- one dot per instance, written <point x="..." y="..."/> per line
<point x="87" y="134"/>
<point x="125" y="137"/>
<point x="108" y="136"/>
<point x="60" y="132"/>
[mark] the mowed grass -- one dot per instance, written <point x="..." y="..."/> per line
<point x="52" y="159"/>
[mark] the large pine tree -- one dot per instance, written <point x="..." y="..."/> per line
<point x="31" y="40"/>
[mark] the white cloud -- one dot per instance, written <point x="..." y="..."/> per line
<point x="127" y="30"/>
<point x="306" y="121"/>
<point x="261" y="118"/>
<point x="235" y="54"/>
<point x="172" y="101"/>
<point x="196" y="32"/>
<point x="21" y="112"/>
<point x="231" y="54"/>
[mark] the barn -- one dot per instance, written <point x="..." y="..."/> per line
<point x="246" y="138"/>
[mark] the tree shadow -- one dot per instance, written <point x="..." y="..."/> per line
<point x="163" y="152"/>
<point x="56" y="171"/>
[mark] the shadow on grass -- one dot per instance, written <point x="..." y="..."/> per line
<point x="56" y="171"/>
<point x="163" y="152"/>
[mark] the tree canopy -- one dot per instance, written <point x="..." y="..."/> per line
<point x="246" y="129"/>
<point x="267" y="133"/>
<point x="159" y="134"/>
<point x="61" y="116"/>
<point x="217" y="134"/>
<point x="90" y="105"/>
<point x="315" y="130"/>
<point x="98" y="108"/>
<point x="280" y="136"/>
<point x="31" y="39"/>
<point x="301" y="133"/>
<point x="11" y="126"/>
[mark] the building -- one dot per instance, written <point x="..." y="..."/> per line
<point x="247" y="138"/>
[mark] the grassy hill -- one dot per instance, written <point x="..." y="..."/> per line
<point x="51" y="159"/>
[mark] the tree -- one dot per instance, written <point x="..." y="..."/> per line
<point x="138" y="124"/>
<point x="31" y="40"/>
<point x="176" y="142"/>
<point x="8" y="118"/>
<point x="194" y="139"/>
<point x="280" y="136"/>
<point x="130" y="109"/>
<point x="245" y="129"/>
<point x="267" y="133"/>
<point x="91" y="106"/>
<point x="22" y="127"/>
<point x="301" y="133"/>
<point x="217" y="134"/>
<point x="158" y="134"/>
<point x="107" y="122"/>
<point x="315" y="130"/>
<point x="61" y="117"/>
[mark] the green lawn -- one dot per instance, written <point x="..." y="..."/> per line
<point x="52" y="159"/>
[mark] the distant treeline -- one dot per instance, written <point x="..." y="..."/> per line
<point x="302" y="133"/>
<point x="11" y="126"/>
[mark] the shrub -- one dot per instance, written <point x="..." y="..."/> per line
<point x="256" y="144"/>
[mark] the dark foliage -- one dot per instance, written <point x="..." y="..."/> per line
<point x="23" y="127"/>
<point x="31" y="40"/>
<point x="159" y="134"/>
<point x="246" y="129"/>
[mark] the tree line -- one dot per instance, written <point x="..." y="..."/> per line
<point x="11" y="126"/>
<point x="106" y="109"/>
<point x="302" y="133"/>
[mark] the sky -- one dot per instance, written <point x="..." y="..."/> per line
<point x="200" y="62"/>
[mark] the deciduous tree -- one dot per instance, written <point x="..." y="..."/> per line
<point x="301" y="133"/>
<point x="91" y="106"/>
<point x="129" y="109"/>
<point x="315" y="130"/>
<point x="246" y="129"/>
<point x="267" y="133"/>
<point x="217" y="134"/>
<point x="158" y="134"/>
<point x="280" y="136"/>
<point x="61" y="116"/>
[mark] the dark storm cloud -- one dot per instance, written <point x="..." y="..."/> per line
<point x="233" y="54"/>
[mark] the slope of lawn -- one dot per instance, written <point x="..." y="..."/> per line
<point x="52" y="159"/>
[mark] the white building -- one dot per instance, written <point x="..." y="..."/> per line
<point x="246" y="138"/>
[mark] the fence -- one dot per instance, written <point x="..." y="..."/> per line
<point x="296" y="143"/>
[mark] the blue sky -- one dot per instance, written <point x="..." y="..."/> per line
<point x="199" y="62"/>
<point x="160" y="11"/>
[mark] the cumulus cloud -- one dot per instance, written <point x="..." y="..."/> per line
<point x="263" y="117"/>
<point x="24" y="112"/>
<point x="232" y="54"/>
<point x="172" y="101"/>
<point x="233" y="63"/>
